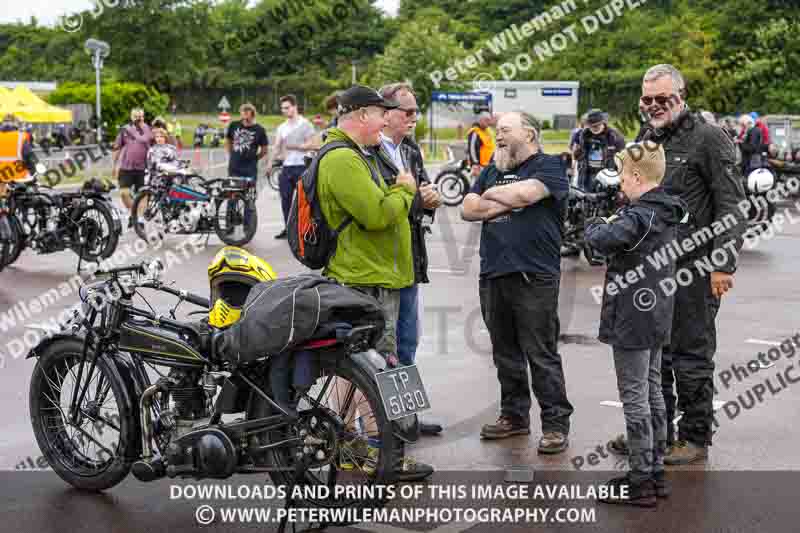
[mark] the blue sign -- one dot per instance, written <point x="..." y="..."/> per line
<point x="473" y="98"/>
<point x="556" y="91"/>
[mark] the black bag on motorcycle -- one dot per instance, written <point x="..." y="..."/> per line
<point x="282" y="314"/>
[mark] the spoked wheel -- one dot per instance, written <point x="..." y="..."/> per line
<point x="148" y="217"/>
<point x="95" y="229"/>
<point x="347" y="438"/>
<point x="274" y="178"/>
<point x="452" y="187"/>
<point x="88" y="447"/>
<point x="236" y="221"/>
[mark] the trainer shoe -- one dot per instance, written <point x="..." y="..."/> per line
<point x="685" y="452"/>
<point x="282" y="235"/>
<point x="553" y="442"/>
<point x="504" y="427"/>
<point x="641" y="494"/>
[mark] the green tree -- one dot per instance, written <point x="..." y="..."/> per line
<point x="419" y="49"/>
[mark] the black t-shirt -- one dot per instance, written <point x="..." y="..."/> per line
<point x="245" y="142"/>
<point x="527" y="239"/>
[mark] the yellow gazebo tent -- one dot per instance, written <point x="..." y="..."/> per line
<point x="28" y="107"/>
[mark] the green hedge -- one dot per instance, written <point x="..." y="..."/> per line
<point x="117" y="100"/>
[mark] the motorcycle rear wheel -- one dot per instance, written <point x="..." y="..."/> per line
<point x="97" y="225"/>
<point x="106" y="423"/>
<point x="17" y="244"/>
<point x="353" y="400"/>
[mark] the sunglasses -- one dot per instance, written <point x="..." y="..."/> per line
<point x="661" y="99"/>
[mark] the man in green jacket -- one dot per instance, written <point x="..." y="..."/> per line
<point x="373" y="252"/>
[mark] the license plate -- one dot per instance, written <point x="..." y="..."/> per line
<point x="402" y="392"/>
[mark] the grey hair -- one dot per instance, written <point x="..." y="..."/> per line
<point x="659" y="71"/>
<point x="388" y="91"/>
<point x="530" y="123"/>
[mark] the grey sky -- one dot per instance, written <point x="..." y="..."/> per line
<point x="47" y="11"/>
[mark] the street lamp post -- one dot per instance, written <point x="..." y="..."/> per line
<point x="99" y="50"/>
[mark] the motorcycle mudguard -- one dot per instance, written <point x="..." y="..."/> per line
<point x="371" y="362"/>
<point x="124" y="373"/>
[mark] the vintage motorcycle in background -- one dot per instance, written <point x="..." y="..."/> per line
<point x="178" y="200"/>
<point x="49" y="221"/>
<point x="583" y="206"/>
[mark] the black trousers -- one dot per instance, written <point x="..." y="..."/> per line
<point x="521" y="314"/>
<point x="687" y="363"/>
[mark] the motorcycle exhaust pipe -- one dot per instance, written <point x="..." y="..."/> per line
<point x="144" y="414"/>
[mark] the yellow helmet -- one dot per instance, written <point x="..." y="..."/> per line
<point x="231" y="274"/>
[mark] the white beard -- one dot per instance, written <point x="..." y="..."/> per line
<point x="507" y="157"/>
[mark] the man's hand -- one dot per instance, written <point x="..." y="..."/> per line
<point x="405" y="178"/>
<point x="475" y="171"/>
<point x="721" y="282"/>
<point x="430" y="196"/>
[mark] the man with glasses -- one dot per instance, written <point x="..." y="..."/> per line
<point x="397" y="153"/>
<point x="597" y="144"/>
<point x="292" y="140"/>
<point x="702" y="171"/>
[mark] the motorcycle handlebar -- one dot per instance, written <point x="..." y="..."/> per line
<point x="184" y="295"/>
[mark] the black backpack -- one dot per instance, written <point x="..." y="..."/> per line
<point x="312" y="240"/>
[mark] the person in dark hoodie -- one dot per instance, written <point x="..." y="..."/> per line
<point x="636" y="315"/>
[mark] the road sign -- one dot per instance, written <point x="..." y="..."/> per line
<point x="224" y="104"/>
<point x="225" y="117"/>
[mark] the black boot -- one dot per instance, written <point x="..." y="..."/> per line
<point x="625" y="492"/>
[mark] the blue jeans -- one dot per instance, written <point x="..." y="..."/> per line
<point x="287" y="182"/>
<point x="407" y="326"/>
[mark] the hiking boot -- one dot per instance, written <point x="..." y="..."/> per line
<point x="504" y="427"/>
<point x="685" y="452"/>
<point x="408" y="469"/>
<point x="663" y="489"/>
<point x="553" y="442"/>
<point x="618" y="446"/>
<point x="641" y="494"/>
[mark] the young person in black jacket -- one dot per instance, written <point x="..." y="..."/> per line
<point x="636" y="316"/>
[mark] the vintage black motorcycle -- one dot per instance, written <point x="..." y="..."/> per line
<point x="583" y="206"/>
<point x="49" y="221"/>
<point x="97" y="415"/>
<point x="180" y="201"/>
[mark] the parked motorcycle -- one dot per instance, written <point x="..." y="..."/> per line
<point x="180" y="201"/>
<point x="583" y="206"/>
<point x="274" y="176"/>
<point x="97" y="416"/>
<point x="48" y="221"/>
<point x="453" y="182"/>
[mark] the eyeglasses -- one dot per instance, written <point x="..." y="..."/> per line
<point x="661" y="99"/>
<point x="410" y="113"/>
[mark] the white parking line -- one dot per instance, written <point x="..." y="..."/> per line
<point x="759" y="341"/>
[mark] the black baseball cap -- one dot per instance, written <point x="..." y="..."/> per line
<point x="359" y="96"/>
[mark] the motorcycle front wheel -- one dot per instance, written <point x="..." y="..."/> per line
<point x="274" y="179"/>
<point x="13" y="247"/>
<point x="452" y="186"/>
<point x="94" y="450"/>
<point x="236" y="221"/>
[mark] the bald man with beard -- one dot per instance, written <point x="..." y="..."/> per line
<point x="519" y="197"/>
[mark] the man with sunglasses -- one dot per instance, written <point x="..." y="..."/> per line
<point x="397" y="153"/>
<point x="702" y="171"/>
